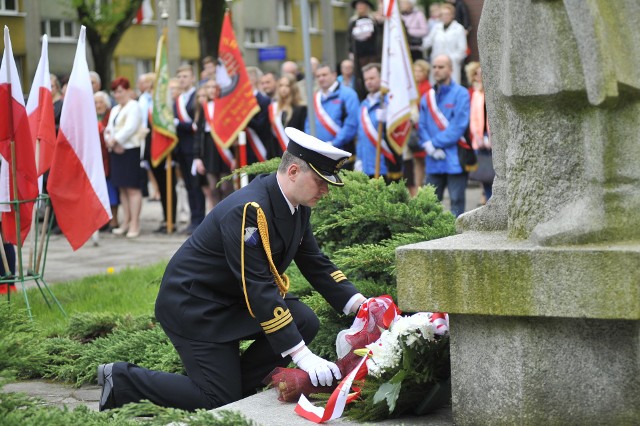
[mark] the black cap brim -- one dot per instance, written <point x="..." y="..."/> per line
<point x="332" y="179"/>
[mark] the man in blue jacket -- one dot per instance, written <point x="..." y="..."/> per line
<point x="336" y="112"/>
<point x="444" y="118"/>
<point x="372" y="112"/>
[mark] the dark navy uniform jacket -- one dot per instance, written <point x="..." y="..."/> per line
<point x="202" y="297"/>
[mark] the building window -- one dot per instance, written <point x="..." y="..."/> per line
<point x="256" y="37"/>
<point x="186" y="10"/>
<point x="10" y="6"/>
<point x="60" y="30"/>
<point x="144" y="66"/>
<point x="285" y="14"/>
<point x="314" y="17"/>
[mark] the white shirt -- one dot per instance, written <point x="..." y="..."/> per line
<point x="124" y="124"/>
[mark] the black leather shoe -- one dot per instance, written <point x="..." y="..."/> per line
<point x="105" y="379"/>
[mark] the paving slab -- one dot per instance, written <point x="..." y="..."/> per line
<point x="265" y="409"/>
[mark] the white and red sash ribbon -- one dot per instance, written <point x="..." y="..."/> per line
<point x="438" y="117"/>
<point x="181" y="107"/>
<point x="338" y="399"/>
<point x="225" y="153"/>
<point x="372" y="134"/>
<point x="277" y="127"/>
<point x="256" y="144"/>
<point x="323" y="117"/>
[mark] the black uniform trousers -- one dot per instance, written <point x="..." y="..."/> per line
<point x="194" y="191"/>
<point x="216" y="373"/>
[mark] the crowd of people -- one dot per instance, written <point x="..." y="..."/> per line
<point x="348" y="107"/>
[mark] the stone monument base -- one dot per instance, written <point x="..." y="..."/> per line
<point x="539" y="335"/>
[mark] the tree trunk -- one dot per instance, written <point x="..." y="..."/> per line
<point x="211" y="17"/>
<point x="102" y="65"/>
<point x="101" y="50"/>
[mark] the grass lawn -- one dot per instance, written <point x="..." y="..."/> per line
<point x="130" y="291"/>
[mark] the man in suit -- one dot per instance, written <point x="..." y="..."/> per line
<point x="227" y="283"/>
<point x="184" y="111"/>
<point x="258" y="130"/>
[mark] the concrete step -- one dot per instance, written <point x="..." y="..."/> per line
<point x="265" y="410"/>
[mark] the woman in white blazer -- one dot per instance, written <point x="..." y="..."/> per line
<point x="123" y="137"/>
<point x="448" y="38"/>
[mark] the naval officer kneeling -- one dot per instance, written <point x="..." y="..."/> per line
<point x="227" y="283"/>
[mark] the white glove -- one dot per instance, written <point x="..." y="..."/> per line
<point x="320" y="371"/>
<point x="176" y="121"/>
<point x="428" y="146"/>
<point x="439" y="154"/>
<point x="381" y="115"/>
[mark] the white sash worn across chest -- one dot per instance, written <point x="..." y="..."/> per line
<point x="372" y="133"/>
<point x="277" y="127"/>
<point x="181" y="107"/>
<point x="323" y="117"/>
<point x="226" y="154"/>
<point x="256" y="144"/>
<point x="437" y="115"/>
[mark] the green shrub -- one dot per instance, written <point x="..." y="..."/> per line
<point x="21" y="347"/>
<point x="87" y="326"/>
<point x="17" y="409"/>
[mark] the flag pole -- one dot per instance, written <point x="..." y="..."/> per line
<point x="168" y="169"/>
<point x="32" y="234"/>
<point x="168" y="165"/>
<point x="379" y="141"/>
<point x="43" y="233"/>
<point x="5" y="262"/>
<point x="16" y="202"/>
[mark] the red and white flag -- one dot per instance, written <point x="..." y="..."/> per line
<point x="14" y="128"/>
<point x="397" y="78"/>
<point x="237" y="104"/>
<point x="40" y="111"/>
<point x="77" y="185"/>
<point x="145" y="13"/>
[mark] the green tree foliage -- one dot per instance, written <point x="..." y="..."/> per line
<point x="106" y="23"/>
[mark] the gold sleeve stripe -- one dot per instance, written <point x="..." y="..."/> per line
<point x="278" y="322"/>
<point x="338" y="276"/>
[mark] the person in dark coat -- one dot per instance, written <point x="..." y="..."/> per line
<point x="227" y="283"/>
<point x="184" y="110"/>
<point x="285" y="111"/>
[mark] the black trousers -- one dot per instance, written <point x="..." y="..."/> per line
<point x="216" y="372"/>
<point x="194" y="192"/>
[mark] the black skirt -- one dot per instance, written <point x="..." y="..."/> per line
<point x="125" y="169"/>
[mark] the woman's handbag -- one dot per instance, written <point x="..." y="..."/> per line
<point x="467" y="156"/>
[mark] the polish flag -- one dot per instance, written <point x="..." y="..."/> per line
<point x="145" y="13"/>
<point x="14" y="129"/>
<point x="40" y="111"/>
<point x="77" y="185"/>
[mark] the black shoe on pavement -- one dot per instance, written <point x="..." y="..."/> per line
<point x="105" y="379"/>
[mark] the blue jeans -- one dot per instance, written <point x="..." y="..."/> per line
<point x="457" y="185"/>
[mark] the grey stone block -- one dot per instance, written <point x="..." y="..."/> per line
<point x="533" y="371"/>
